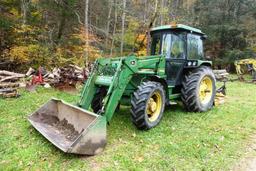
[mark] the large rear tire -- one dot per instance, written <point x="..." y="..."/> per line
<point x="198" y="89"/>
<point x="148" y="104"/>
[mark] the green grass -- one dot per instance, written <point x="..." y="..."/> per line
<point x="184" y="141"/>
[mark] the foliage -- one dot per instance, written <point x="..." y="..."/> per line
<point x="226" y="24"/>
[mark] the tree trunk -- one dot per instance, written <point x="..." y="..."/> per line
<point x="86" y="27"/>
<point x="145" y="11"/>
<point x="151" y="24"/>
<point x="155" y="10"/>
<point x="123" y="24"/>
<point x="114" y="31"/>
<point x="108" y="22"/>
<point x="162" y="12"/>
<point x="61" y="25"/>
<point x="24" y="8"/>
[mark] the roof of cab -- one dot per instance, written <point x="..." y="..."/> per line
<point x="177" y="26"/>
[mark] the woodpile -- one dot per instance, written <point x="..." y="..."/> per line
<point x="58" y="77"/>
<point x="9" y="82"/>
<point x="70" y="74"/>
<point x="221" y="75"/>
<point x="10" y="76"/>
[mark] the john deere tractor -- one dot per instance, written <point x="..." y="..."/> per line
<point x="175" y="70"/>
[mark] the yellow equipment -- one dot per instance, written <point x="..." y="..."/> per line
<point x="246" y="65"/>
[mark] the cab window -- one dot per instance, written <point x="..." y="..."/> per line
<point x="178" y="46"/>
<point x="166" y="45"/>
<point x="156" y="44"/>
<point x="173" y="46"/>
<point x="195" y="47"/>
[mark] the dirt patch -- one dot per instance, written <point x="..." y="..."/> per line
<point x="62" y="126"/>
<point x="248" y="163"/>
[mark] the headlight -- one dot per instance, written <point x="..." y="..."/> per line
<point x="189" y="63"/>
<point x="194" y="63"/>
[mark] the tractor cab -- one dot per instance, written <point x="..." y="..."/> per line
<point x="182" y="47"/>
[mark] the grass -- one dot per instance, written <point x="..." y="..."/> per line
<point x="214" y="140"/>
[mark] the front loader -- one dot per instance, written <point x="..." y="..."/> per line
<point x="176" y="70"/>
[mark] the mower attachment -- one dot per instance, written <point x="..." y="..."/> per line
<point x="70" y="128"/>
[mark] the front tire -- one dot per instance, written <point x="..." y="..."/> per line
<point x="148" y="104"/>
<point x="199" y="90"/>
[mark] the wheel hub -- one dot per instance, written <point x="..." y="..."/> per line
<point x="205" y="90"/>
<point x="154" y="106"/>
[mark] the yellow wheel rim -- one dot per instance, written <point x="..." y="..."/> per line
<point x="154" y="106"/>
<point x="205" y="90"/>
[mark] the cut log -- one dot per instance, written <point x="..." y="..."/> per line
<point x="30" y="71"/>
<point x="8" y="92"/>
<point x="8" y="73"/>
<point x="10" y="78"/>
<point x="221" y="75"/>
<point x="10" y="95"/>
<point x="5" y="85"/>
<point x="219" y="71"/>
<point x="76" y="67"/>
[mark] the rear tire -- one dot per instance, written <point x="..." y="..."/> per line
<point x="148" y="104"/>
<point x="198" y="89"/>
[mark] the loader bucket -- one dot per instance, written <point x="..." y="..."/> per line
<point x="70" y="128"/>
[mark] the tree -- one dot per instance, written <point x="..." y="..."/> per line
<point x="86" y="26"/>
<point x="123" y="25"/>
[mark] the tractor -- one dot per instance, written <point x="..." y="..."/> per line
<point x="176" y="70"/>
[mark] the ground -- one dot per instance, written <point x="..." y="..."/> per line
<point x="215" y="140"/>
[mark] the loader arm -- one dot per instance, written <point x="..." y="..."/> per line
<point x="125" y="68"/>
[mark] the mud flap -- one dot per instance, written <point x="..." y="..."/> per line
<point x="70" y="128"/>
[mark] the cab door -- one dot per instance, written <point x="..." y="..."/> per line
<point x="173" y="46"/>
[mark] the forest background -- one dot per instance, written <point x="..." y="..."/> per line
<point x="59" y="32"/>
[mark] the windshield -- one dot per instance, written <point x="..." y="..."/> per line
<point x="173" y="45"/>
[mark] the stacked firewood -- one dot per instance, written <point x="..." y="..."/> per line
<point x="221" y="75"/>
<point x="69" y="75"/>
<point x="9" y="82"/>
<point x="58" y="77"/>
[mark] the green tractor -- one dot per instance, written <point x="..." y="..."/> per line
<point x="176" y="70"/>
